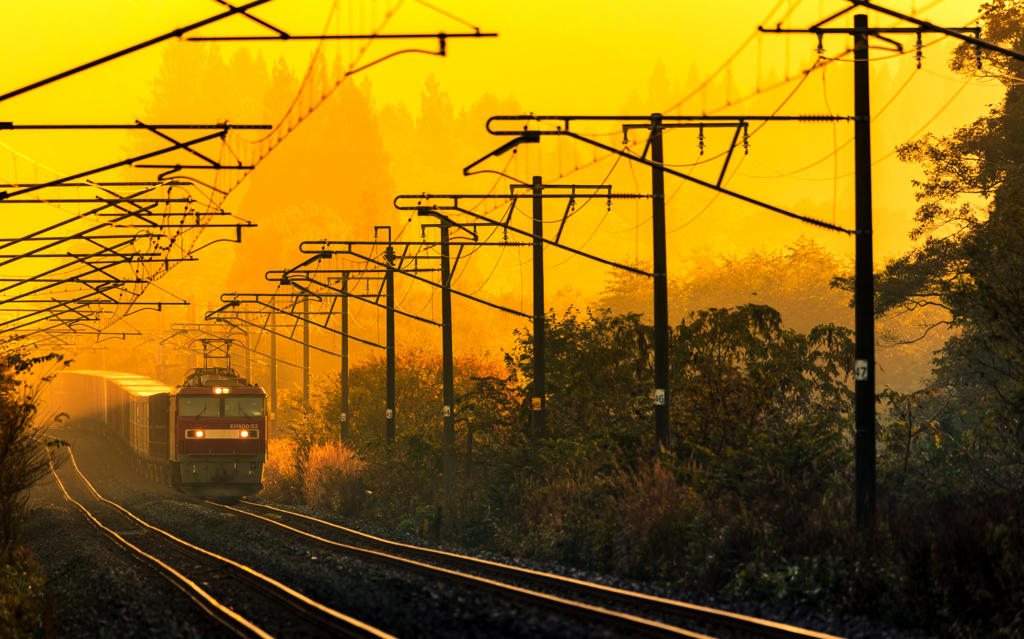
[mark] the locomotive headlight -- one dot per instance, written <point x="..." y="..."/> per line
<point x="217" y="391"/>
<point x="199" y="433"/>
<point x="243" y="434"/>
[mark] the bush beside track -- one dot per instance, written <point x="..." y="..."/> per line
<point x="24" y="459"/>
<point x="751" y="502"/>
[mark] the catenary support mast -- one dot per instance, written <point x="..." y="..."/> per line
<point x="864" y="292"/>
<point x="661" y="359"/>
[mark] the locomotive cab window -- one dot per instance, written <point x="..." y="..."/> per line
<point x="239" y="406"/>
<point x="199" y="407"/>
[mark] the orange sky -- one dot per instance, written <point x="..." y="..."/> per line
<point x="580" y="57"/>
<point x="552" y="56"/>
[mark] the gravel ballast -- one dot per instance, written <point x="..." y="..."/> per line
<point x="403" y="604"/>
<point x="397" y="602"/>
<point x="97" y="590"/>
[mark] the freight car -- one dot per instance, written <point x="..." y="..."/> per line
<point x="206" y="437"/>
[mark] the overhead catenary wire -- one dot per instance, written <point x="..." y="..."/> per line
<point x="881" y="159"/>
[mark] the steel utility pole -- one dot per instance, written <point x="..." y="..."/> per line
<point x="864" y="288"/>
<point x="248" y="358"/>
<point x="344" y="356"/>
<point x="864" y="293"/>
<point x="448" y="409"/>
<point x="447" y="363"/>
<point x="190" y="317"/>
<point x="538" y="404"/>
<point x="661" y="358"/>
<point x="389" y="409"/>
<point x="305" y="349"/>
<point x="656" y="124"/>
<point x="538" y="408"/>
<point x="273" y="375"/>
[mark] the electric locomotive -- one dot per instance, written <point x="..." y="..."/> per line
<point x="220" y="427"/>
<point x="206" y="437"/>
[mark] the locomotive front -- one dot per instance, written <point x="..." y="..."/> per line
<point x="220" y="428"/>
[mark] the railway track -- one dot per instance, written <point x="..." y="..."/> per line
<point x="635" y="613"/>
<point x="244" y="602"/>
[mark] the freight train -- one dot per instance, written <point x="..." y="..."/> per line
<point x="206" y="437"/>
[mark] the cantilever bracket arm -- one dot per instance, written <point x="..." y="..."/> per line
<point x="528" y="137"/>
<point x="953" y="33"/>
<point x="339" y="293"/>
<point x="323" y="255"/>
<point x="431" y="212"/>
<point x="240" y="320"/>
<point x="306" y="292"/>
<point x="506" y="225"/>
<point x="690" y="178"/>
<point x="441" y="286"/>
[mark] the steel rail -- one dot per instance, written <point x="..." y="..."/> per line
<point x="656" y="605"/>
<point x="232" y="621"/>
<point x="309" y="611"/>
<point x="632" y="624"/>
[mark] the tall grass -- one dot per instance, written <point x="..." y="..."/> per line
<point x="281" y="478"/>
<point x="331" y="479"/>
<point x="327" y="477"/>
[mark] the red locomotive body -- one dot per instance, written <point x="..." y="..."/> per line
<point x="206" y="437"/>
<point x="220" y="427"/>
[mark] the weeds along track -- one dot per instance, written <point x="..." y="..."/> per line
<point x="243" y="601"/>
<point x="634" y="613"/>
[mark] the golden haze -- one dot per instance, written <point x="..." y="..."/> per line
<point x="410" y="124"/>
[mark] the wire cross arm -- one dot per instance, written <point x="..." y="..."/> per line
<point x="57" y="200"/>
<point x="130" y="161"/>
<point x="531" y="135"/>
<point x="506" y="225"/>
<point x="713" y="187"/>
<point x="52" y="313"/>
<point x="432" y="204"/>
<point x="106" y="250"/>
<point x="443" y="287"/>
<point x="177" y="33"/>
<point x="934" y="28"/>
<point x="333" y="293"/>
<point x="74" y="218"/>
<point x="138" y="307"/>
<point x="254" y="298"/>
<point x="238" y="319"/>
<point x="363" y="273"/>
<point x="11" y="126"/>
<point x="440" y="36"/>
<point x="286" y="277"/>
